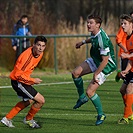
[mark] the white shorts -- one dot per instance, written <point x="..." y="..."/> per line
<point x="101" y="76"/>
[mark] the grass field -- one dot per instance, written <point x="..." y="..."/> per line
<point x="57" y="115"/>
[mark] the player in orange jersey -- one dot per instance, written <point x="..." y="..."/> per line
<point x="22" y="84"/>
<point x="121" y="42"/>
<point x="126" y="89"/>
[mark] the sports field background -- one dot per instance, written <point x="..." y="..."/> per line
<point x="57" y="115"/>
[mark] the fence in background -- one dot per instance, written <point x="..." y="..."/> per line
<point x="55" y="43"/>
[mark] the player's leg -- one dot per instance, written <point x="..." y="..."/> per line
<point x="17" y="108"/>
<point x="127" y="94"/>
<point x="13" y="112"/>
<point x="36" y="106"/>
<point x="94" y="97"/>
<point x="78" y="81"/>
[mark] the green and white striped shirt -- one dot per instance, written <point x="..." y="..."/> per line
<point x="102" y="46"/>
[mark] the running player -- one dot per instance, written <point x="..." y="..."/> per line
<point x="121" y="42"/>
<point x="22" y="84"/>
<point x="102" y="63"/>
<point x="126" y="89"/>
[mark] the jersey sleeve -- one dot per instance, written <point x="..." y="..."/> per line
<point x="104" y="43"/>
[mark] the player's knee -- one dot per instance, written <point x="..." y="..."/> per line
<point x="42" y="100"/>
<point x="75" y="74"/>
<point x="89" y="93"/>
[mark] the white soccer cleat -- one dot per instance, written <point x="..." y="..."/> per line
<point x="7" y="122"/>
<point x="32" y="123"/>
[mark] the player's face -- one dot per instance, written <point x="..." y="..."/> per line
<point x="24" y="20"/>
<point x="38" y="48"/>
<point x="92" y="26"/>
<point x="127" y="26"/>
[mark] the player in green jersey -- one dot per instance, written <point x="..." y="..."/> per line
<point x="102" y="63"/>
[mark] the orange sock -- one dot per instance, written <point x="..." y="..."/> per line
<point x="128" y="105"/>
<point x="132" y="103"/>
<point x="15" y="110"/>
<point x="32" y="112"/>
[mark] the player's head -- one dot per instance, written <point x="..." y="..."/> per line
<point x="24" y="19"/>
<point x="126" y="17"/>
<point x="39" y="45"/>
<point x="131" y="13"/>
<point x="126" y="22"/>
<point x="93" y="23"/>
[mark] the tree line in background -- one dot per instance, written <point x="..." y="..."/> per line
<point x="57" y="17"/>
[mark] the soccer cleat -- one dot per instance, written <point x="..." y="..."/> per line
<point x="80" y="102"/>
<point x="123" y="121"/>
<point x="32" y="123"/>
<point x="7" y="122"/>
<point x="130" y="117"/>
<point x="117" y="77"/>
<point x="100" y="119"/>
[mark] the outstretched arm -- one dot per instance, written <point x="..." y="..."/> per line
<point x="79" y="44"/>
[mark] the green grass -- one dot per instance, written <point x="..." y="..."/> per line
<point x="57" y="115"/>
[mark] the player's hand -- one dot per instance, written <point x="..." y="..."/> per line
<point x="125" y="55"/>
<point x="14" y="48"/>
<point x="78" y="45"/>
<point x="95" y="78"/>
<point x="123" y="73"/>
<point x="38" y="81"/>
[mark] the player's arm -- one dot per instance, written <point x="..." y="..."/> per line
<point x="121" y="46"/>
<point x="129" y="66"/>
<point x="101" y="67"/>
<point x="21" y="71"/>
<point x="120" y="35"/>
<point x="125" y="55"/>
<point x="79" y="44"/>
<point x="14" y="40"/>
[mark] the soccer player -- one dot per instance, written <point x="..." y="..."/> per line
<point x="121" y="42"/>
<point x="126" y="89"/>
<point x="102" y="63"/>
<point x="22" y="84"/>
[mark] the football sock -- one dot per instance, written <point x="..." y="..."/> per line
<point x="128" y="105"/>
<point x="79" y="84"/>
<point x="15" y="110"/>
<point x="32" y="112"/>
<point x="97" y="103"/>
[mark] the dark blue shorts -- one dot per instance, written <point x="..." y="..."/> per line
<point x="129" y="78"/>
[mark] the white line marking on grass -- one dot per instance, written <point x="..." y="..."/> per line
<point x="58" y="83"/>
<point x="66" y="114"/>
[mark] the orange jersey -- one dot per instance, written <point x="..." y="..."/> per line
<point x="24" y="66"/>
<point x="121" y="38"/>
<point x="130" y="47"/>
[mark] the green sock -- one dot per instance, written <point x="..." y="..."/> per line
<point x="97" y="103"/>
<point x="79" y="84"/>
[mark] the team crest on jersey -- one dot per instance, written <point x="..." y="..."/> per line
<point x="130" y="43"/>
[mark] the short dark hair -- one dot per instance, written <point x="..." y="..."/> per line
<point x="96" y="18"/>
<point x="127" y="17"/>
<point x="40" y="38"/>
<point x="24" y="16"/>
<point x="131" y="13"/>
